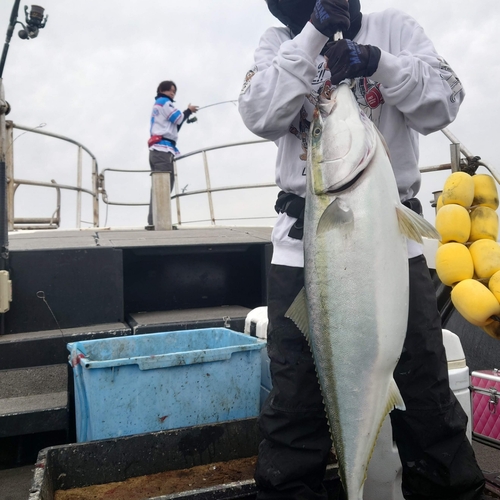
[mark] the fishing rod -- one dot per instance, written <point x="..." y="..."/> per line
<point x="195" y="119"/>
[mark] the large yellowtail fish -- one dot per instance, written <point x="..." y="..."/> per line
<point x="354" y="306"/>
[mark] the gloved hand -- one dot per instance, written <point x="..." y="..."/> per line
<point x="348" y="59"/>
<point x="331" y="16"/>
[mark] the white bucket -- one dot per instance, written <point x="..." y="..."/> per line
<point x="385" y="470"/>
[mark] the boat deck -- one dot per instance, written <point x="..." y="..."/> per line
<point x="138" y="238"/>
<point x="219" y="276"/>
<point x="16" y="483"/>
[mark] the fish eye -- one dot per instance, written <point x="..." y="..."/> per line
<point x="317" y="131"/>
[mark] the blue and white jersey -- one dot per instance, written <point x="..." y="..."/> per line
<point x="165" y="121"/>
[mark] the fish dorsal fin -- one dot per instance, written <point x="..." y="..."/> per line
<point x="297" y="312"/>
<point x="336" y="214"/>
<point x="414" y="226"/>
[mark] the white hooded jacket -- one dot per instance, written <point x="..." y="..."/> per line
<point x="413" y="91"/>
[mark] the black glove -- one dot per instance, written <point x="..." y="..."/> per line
<point x="331" y="16"/>
<point x="348" y="59"/>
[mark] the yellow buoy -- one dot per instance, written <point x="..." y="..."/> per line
<point x="459" y="189"/>
<point x="454" y="263"/>
<point x="492" y="329"/>
<point x="494" y="285"/>
<point x="486" y="257"/>
<point x="485" y="191"/>
<point x="484" y="224"/>
<point x="475" y="302"/>
<point x="439" y="202"/>
<point x="453" y="223"/>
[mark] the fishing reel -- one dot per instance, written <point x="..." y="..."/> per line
<point x="192" y="119"/>
<point x="34" y="22"/>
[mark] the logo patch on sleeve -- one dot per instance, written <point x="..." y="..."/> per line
<point x="248" y="77"/>
<point x="451" y="78"/>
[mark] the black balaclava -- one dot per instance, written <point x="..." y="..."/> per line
<point x="355" y="16"/>
<point x="296" y="13"/>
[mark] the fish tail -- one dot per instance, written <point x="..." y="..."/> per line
<point x="414" y="226"/>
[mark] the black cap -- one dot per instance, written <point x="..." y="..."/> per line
<point x="296" y="13"/>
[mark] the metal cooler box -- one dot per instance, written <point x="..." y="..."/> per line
<point x="485" y="389"/>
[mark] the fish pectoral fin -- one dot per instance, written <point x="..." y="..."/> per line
<point x="336" y="214"/>
<point x="298" y="313"/>
<point x="414" y="226"/>
<point x="395" y="400"/>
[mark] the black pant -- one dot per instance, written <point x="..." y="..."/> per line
<point x="160" y="161"/>
<point x="438" y="460"/>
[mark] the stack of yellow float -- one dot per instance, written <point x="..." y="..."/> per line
<point x="468" y="258"/>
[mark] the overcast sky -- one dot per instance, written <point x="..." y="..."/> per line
<point x="92" y="73"/>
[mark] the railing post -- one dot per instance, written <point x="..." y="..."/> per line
<point x="95" y="184"/>
<point x="4" y="235"/>
<point x="434" y="202"/>
<point x="177" y="199"/>
<point x="9" y="167"/>
<point x="455" y="157"/>
<point x="162" y="212"/>
<point x="79" y="186"/>
<point x="4" y="226"/>
<point x="209" y="188"/>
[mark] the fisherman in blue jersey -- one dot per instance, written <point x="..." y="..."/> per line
<point x="166" y="121"/>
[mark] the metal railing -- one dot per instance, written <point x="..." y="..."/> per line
<point x="13" y="184"/>
<point x="468" y="162"/>
<point x="208" y="190"/>
<point x="461" y="159"/>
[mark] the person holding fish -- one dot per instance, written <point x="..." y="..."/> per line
<point x="350" y="298"/>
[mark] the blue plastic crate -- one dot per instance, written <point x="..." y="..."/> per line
<point x="152" y="382"/>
